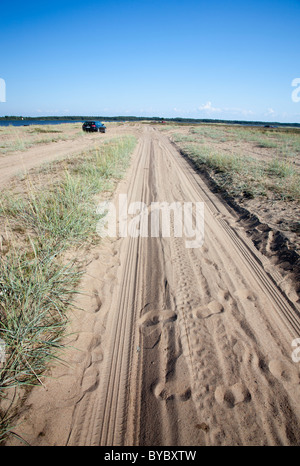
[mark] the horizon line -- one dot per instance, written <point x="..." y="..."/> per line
<point x="124" y="117"/>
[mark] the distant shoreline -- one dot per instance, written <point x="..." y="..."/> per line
<point x="134" y="118"/>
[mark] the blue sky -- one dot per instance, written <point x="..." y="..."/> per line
<point x="193" y="58"/>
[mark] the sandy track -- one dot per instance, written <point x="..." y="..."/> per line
<point x="22" y="161"/>
<point x="196" y="343"/>
<point x="200" y="339"/>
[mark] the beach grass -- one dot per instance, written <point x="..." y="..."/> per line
<point x="237" y="170"/>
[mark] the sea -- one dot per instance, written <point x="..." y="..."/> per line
<point x="29" y="122"/>
<point x="36" y="122"/>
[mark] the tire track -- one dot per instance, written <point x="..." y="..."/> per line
<point x="107" y="421"/>
<point x="253" y="259"/>
<point x="223" y="389"/>
<point x="199" y="339"/>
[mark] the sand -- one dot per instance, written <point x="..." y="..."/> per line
<point x="174" y="345"/>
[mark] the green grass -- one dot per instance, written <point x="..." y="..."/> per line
<point x="35" y="292"/>
<point x="284" y="142"/>
<point x="21" y="144"/>
<point x="36" y="283"/>
<point x="236" y="170"/>
<point x="246" y="176"/>
<point x="21" y="139"/>
<point x="44" y="129"/>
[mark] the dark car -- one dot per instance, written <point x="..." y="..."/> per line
<point x="94" y="126"/>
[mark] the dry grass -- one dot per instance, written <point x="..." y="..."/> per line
<point x="247" y="162"/>
<point x="14" y="138"/>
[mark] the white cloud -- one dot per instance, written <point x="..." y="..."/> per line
<point x="270" y="112"/>
<point x="209" y="108"/>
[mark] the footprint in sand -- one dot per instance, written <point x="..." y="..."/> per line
<point x="233" y="395"/>
<point x="208" y="310"/>
<point x="175" y="385"/>
<point x="157" y="317"/>
<point x="151" y="325"/>
<point x="245" y="295"/>
<point x="284" y="372"/>
<point x="166" y="392"/>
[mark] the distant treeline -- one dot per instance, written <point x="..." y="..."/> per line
<point x="153" y="119"/>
